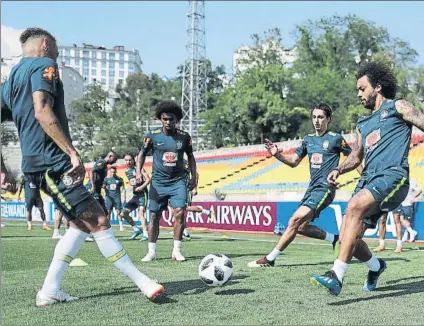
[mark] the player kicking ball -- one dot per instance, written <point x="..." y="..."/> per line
<point x="323" y="149"/>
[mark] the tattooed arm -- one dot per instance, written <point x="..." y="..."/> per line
<point x="353" y="161"/>
<point x="410" y="113"/>
<point x="43" y="107"/>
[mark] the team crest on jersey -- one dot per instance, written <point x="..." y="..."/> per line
<point x="372" y="139"/>
<point x="67" y="180"/>
<point x="384" y="114"/>
<point x="50" y="73"/>
<point x="170" y="159"/>
<point x="316" y="160"/>
<point x="179" y="144"/>
<point x="146" y="142"/>
<point x="325" y="144"/>
<point x="343" y="143"/>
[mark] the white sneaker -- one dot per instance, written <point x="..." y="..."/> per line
<point x="89" y="239"/>
<point x="43" y="300"/>
<point x="2" y="225"/>
<point x="152" y="290"/>
<point x="405" y="236"/>
<point x="149" y="256"/>
<point x="57" y="236"/>
<point x="412" y="235"/>
<point x="178" y="256"/>
<point x="121" y="229"/>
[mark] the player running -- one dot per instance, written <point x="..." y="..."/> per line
<point x="384" y="183"/>
<point x="33" y="96"/>
<point x="168" y="145"/>
<point x="323" y="149"/>
<point x="98" y="175"/>
<point x="32" y="198"/>
<point x="138" y="200"/>
<point x="112" y="186"/>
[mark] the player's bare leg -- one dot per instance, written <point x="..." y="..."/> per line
<point x="56" y="226"/>
<point x="43" y="218"/>
<point x="407" y="225"/>
<point x="179" y="225"/>
<point x="143" y="220"/>
<point x="121" y="225"/>
<point x="312" y="231"/>
<point x="95" y="221"/>
<point x="398" y="225"/>
<point x="126" y="215"/>
<point x="29" y="219"/>
<point x="381" y="233"/>
<point x="153" y="236"/>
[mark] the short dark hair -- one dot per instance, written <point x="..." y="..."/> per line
<point x="129" y="154"/>
<point x="379" y="73"/>
<point x="168" y="107"/>
<point x="324" y="107"/>
<point x="113" y="168"/>
<point x="34" y="32"/>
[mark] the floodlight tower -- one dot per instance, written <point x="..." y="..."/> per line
<point x="193" y="99"/>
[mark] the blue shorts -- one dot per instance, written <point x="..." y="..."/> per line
<point x="389" y="189"/>
<point x="318" y="198"/>
<point x="408" y="212"/>
<point x="112" y="202"/>
<point x="139" y="200"/>
<point x="71" y="199"/>
<point x="160" y="195"/>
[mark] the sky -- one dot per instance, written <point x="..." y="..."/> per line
<point x="158" y="28"/>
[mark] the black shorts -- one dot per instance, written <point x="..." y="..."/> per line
<point x="112" y="202"/>
<point x="33" y="198"/>
<point x="101" y="201"/>
<point x="71" y="199"/>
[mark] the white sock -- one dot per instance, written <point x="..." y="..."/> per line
<point x="135" y="228"/>
<point x="110" y="247"/>
<point x="339" y="268"/>
<point x="152" y="247"/>
<point x="382" y="243"/>
<point x="44" y="223"/>
<point x="121" y="225"/>
<point x="177" y="245"/>
<point x="399" y="243"/>
<point x="410" y="230"/>
<point x="55" y="232"/>
<point x="205" y="211"/>
<point x="373" y="264"/>
<point x="145" y="234"/>
<point x="29" y="223"/>
<point x="66" y="249"/>
<point x="273" y="254"/>
<point x="329" y="237"/>
<point x="185" y="232"/>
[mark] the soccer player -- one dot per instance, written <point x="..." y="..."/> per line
<point x="138" y="200"/>
<point x="168" y="145"/>
<point x="189" y="208"/>
<point x="323" y="148"/>
<point x="407" y="211"/>
<point x="98" y="175"/>
<point x="384" y="182"/>
<point x="32" y="198"/>
<point x="112" y="185"/>
<point x="382" y="232"/>
<point x="33" y="95"/>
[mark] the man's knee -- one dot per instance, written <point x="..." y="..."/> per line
<point x="299" y="221"/>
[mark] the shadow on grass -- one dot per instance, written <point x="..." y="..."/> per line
<point x="331" y="262"/>
<point x="231" y="256"/>
<point x="393" y="291"/>
<point x="234" y="292"/>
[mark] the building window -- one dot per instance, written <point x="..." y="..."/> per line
<point x="103" y="81"/>
<point x="111" y="64"/>
<point x="77" y="61"/>
<point x="104" y="56"/>
<point x="111" y="81"/>
<point x="121" y="57"/>
<point x="111" y="73"/>
<point x="59" y="60"/>
<point x="93" y="72"/>
<point x="131" y="67"/>
<point x="67" y="53"/>
<point x="104" y="73"/>
<point x="86" y="54"/>
<point x="121" y="65"/>
<point x="120" y="81"/>
<point x="85" y="71"/>
<point x="93" y="55"/>
<point x="93" y="63"/>
<point x="68" y="61"/>
<point x="85" y="62"/>
<point x="112" y="56"/>
<point x="131" y="57"/>
<point x="121" y="74"/>
<point x="104" y="64"/>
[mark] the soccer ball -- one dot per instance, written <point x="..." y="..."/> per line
<point x="215" y="269"/>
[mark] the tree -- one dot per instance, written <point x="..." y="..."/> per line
<point x="87" y="116"/>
